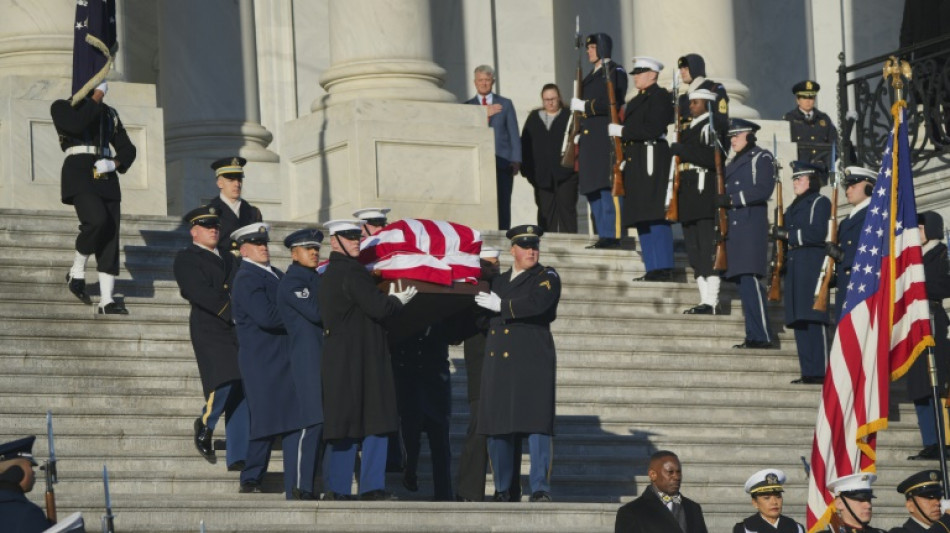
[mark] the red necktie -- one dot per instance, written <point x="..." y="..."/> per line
<point x="484" y="101"/>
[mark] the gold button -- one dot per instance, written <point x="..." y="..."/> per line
<point x="492" y="354"/>
<point x="505" y="355"/>
<point x="225" y="285"/>
<point x="506" y="331"/>
<point x="492" y="332"/>
<point x="586" y="132"/>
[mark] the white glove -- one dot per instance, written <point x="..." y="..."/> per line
<point x="615" y="130"/>
<point x="104" y="87"/>
<point x="488" y="300"/>
<point x="944" y="506"/>
<point x="577" y="139"/>
<point x="577" y="105"/>
<point x="104" y="166"/>
<point x="405" y="295"/>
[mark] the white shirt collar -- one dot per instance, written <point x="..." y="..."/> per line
<point x="696" y="120"/>
<point x="488" y="98"/>
<point x="212" y="250"/>
<point x="235" y="206"/>
<point x="515" y="273"/>
<point x="265" y="267"/>
<point x="864" y="203"/>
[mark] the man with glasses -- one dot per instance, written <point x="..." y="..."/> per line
<point x="810" y="128"/>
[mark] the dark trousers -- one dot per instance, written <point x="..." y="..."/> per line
<point x="753" y="298"/>
<point x="557" y="206"/>
<point x="811" y="339"/>
<point x="504" y="182"/>
<point x="297" y="446"/>
<point x="474" y="457"/>
<point x="228" y="399"/>
<point x="605" y="208"/>
<point x="98" y="230"/>
<point x="699" y="236"/>
<point x="505" y="453"/>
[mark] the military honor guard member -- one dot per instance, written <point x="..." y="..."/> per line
<point x="97" y="148"/>
<point x="300" y="312"/>
<point x="805" y="231"/>
<point x="749" y="180"/>
<point x="697" y="199"/>
<point x="811" y="129"/>
<point x="858" y="183"/>
<point x="204" y="277"/>
<point x="661" y="508"/>
<point x="264" y="358"/>
<point x="646" y="168"/>
<point x="360" y="407"/>
<point x="595" y="154"/>
<point x="765" y="488"/>
<point x="233" y="211"/>
<point x="17" y="513"/>
<point x="518" y="374"/>
<point x="372" y="219"/>
<point x="923" y="492"/>
<point x="692" y="70"/>
<point x="853" y="495"/>
<point x="937" y="285"/>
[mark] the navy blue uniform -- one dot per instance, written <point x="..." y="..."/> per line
<point x="849" y="235"/>
<point x="757" y="524"/>
<point x="18" y="513"/>
<point x="697" y="195"/>
<point x="814" y="135"/>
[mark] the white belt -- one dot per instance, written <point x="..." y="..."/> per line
<point x="73" y="150"/>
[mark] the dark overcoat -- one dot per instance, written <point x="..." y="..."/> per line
<point x="263" y="353"/>
<point x="541" y="151"/>
<point x="757" y="524"/>
<point x="647" y="514"/>
<point x="749" y="184"/>
<point x="720" y="107"/>
<point x="937" y="274"/>
<point x="421" y="368"/>
<point x="595" y="148"/>
<point x="814" y="137"/>
<point x="300" y="313"/>
<point x="911" y="526"/>
<point x="849" y="236"/>
<point x="695" y="149"/>
<point x="90" y="124"/>
<point x="646" y="172"/>
<point x="247" y="214"/>
<point x="19" y="514"/>
<point x="358" y="387"/>
<point x="518" y="372"/>
<point x="806" y="220"/>
<point x="204" y="279"/>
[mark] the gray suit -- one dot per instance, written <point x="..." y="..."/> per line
<point x="507" y="151"/>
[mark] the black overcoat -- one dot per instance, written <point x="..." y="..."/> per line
<point x="300" y="313"/>
<point x="849" y="236"/>
<point x="247" y="214"/>
<point x="720" y="107"/>
<point x="18" y="513"/>
<point x="595" y="148"/>
<point x="541" y="151"/>
<point x="90" y="124"/>
<point x="358" y="388"/>
<point x="518" y="372"/>
<point x="647" y="514"/>
<point x="814" y="137"/>
<point x="806" y="220"/>
<point x="695" y="149"/>
<point x="910" y="526"/>
<point x="204" y="279"/>
<point x="757" y="524"/>
<point x="749" y="184"/>
<point x="646" y="172"/>
<point x="937" y="274"/>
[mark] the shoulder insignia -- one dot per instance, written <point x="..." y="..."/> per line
<point x="546" y="284"/>
<point x="552" y="272"/>
<point x="822" y="123"/>
<point x="723" y="106"/>
<point x="304" y="294"/>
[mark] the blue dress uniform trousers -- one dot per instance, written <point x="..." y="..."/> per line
<point x="753" y="297"/>
<point x="926" y="420"/>
<point x="228" y="399"/>
<point x="811" y="339"/>
<point x="341" y="459"/>
<point x="656" y="244"/>
<point x="300" y="458"/>
<point x="505" y="454"/>
<point x="605" y="208"/>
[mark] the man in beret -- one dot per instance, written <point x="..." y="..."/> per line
<point x="518" y="382"/>
<point x="853" y="495"/>
<point x="923" y="492"/>
<point x="17" y="513"/>
<point x="765" y="488"/>
<point x="204" y="277"/>
<point x="810" y="128"/>
<point x="661" y="508"/>
<point x="233" y="211"/>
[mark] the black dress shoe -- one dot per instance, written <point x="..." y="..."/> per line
<point x="931" y="452"/>
<point x="503" y="496"/>
<point x="331" y="496"/>
<point x="250" y="487"/>
<point x="377" y="496"/>
<point x="462" y="499"/>
<point x="78" y="288"/>
<point x="809" y="380"/>
<point x="753" y="344"/>
<point x="701" y="309"/>
<point x="662" y="274"/>
<point x="540" y="496"/>
<point x="112" y="308"/>
<point x="410" y="481"/>
<point x="236" y="466"/>
<point x="605" y="244"/>
<point x="298" y="494"/>
<point x="203" y="441"/>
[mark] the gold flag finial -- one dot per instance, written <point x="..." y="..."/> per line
<point x="895" y="69"/>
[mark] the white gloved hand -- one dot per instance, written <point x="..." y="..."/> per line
<point x="403" y="296"/>
<point x="488" y="300"/>
<point x="944" y="506"/>
<point x="577" y="105"/>
<point x="104" y="166"/>
<point x="104" y="87"/>
<point x="615" y="130"/>
<point x="577" y="139"/>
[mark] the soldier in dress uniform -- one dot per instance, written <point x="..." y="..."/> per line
<point x="853" y="495"/>
<point x="372" y="219"/>
<point x="923" y="492"/>
<point x="749" y="185"/>
<point x="18" y="513"/>
<point x="646" y="168"/>
<point x="805" y="231"/>
<point x="810" y="128"/>
<point x="90" y="184"/>
<point x="765" y="488"/>
<point x="233" y="211"/>
<point x="518" y="374"/>
<point x="595" y="147"/>
<point x="857" y="183"/>
<point x="204" y="277"/>
<point x="692" y="69"/>
<point x="300" y="313"/>
<point x="697" y="199"/>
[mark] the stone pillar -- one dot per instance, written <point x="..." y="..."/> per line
<point x="668" y="30"/>
<point x="209" y="91"/>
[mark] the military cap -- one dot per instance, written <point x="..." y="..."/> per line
<point x="372" y="215"/>
<point x="18" y="449"/>
<point x="489" y="252"/>
<point x="739" y="125"/>
<point x="643" y="64"/>
<point x="229" y="166"/>
<point x="525" y="234"/>
<point x="205" y="216"/>
<point x="801" y="168"/>
<point x="932" y="223"/>
<point x="765" y="481"/>
<point x="925" y="482"/>
<point x="806" y="88"/>
<point x="854" y="486"/>
<point x="304" y="237"/>
<point x="348" y="229"/>
<point x="604" y="44"/>
<point x="255" y="233"/>
<point x="703" y="94"/>
<point x="854" y="175"/>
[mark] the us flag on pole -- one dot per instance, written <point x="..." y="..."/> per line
<point x="94" y="35"/>
<point x="885" y="325"/>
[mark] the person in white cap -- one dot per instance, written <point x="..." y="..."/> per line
<point x="372" y="219"/>
<point x="858" y="183"/>
<point x="853" y="495"/>
<point x="765" y="488"/>
<point x="646" y="167"/>
<point x="358" y="388"/>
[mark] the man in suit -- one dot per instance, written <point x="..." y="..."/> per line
<point x="504" y="121"/>
<point x="233" y="211"/>
<point x="811" y="129"/>
<point x="922" y="492"/>
<point x="204" y="277"/>
<point x="661" y="508"/>
<point x="16" y="479"/>
<point x="858" y="183"/>
<point x="853" y="495"/>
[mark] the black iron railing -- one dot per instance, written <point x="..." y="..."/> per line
<point x="869" y="118"/>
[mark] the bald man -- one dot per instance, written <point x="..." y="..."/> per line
<point x="661" y="508"/>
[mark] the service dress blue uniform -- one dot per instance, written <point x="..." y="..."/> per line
<point x="849" y="236"/>
<point x="806" y="220"/>
<point x="17" y="513"/>
<point x="757" y="524"/>
<point x="749" y="184"/>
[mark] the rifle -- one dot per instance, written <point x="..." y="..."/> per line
<point x="673" y="188"/>
<point x="108" y="520"/>
<point x="573" y="129"/>
<point x="617" y="171"/>
<point x="722" y="221"/>
<point x="778" y="252"/>
<point x="50" y="468"/>
<point x="823" y="287"/>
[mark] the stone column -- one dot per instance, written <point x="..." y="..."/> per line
<point x="36" y="38"/>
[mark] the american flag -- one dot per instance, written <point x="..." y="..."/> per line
<point x="885" y="325"/>
<point x="435" y="251"/>
<point x="94" y="23"/>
